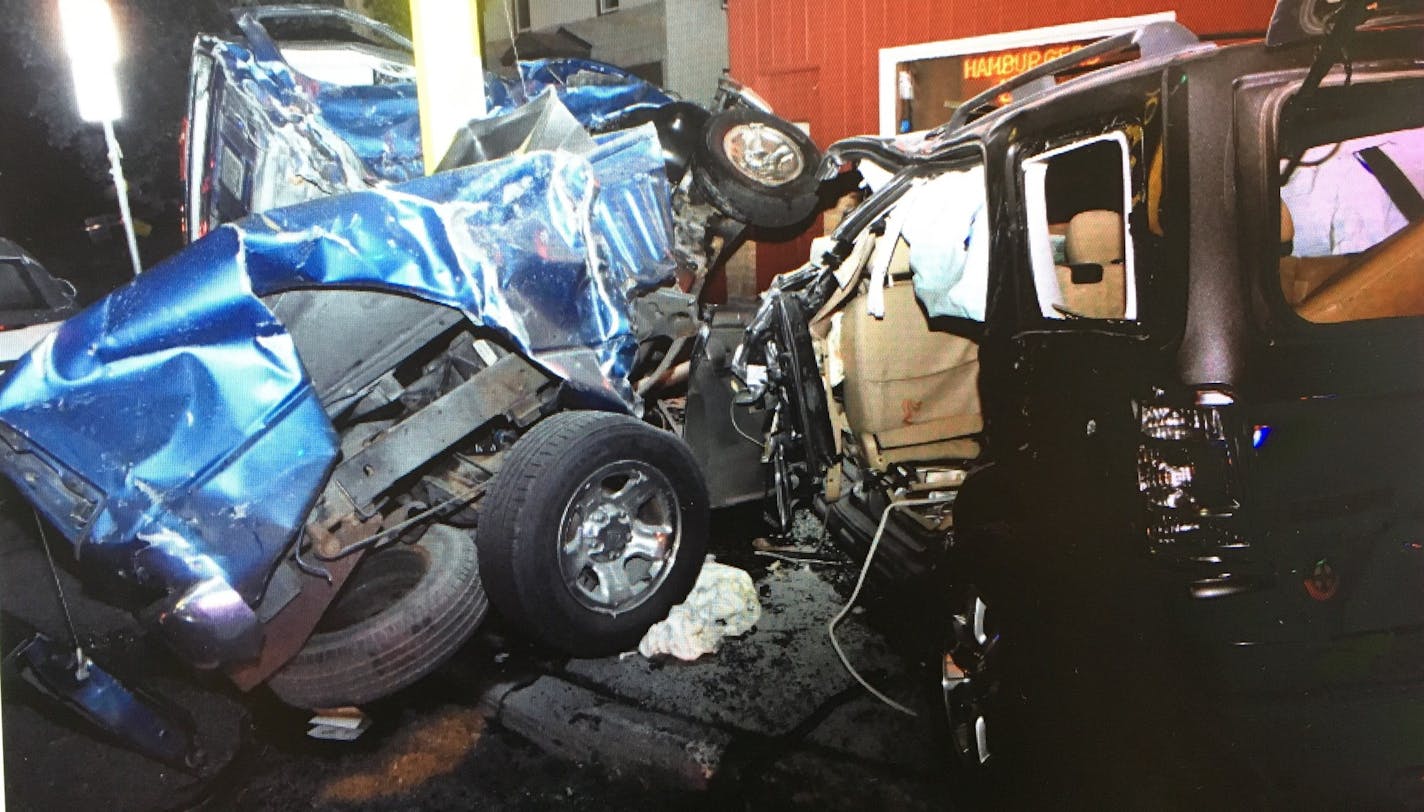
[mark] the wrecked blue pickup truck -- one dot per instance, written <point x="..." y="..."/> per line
<point x="284" y="441"/>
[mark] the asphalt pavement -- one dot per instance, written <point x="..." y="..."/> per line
<point x="772" y="720"/>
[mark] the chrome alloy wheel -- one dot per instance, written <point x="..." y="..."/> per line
<point x="619" y="536"/>
<point x="970" y="679"/>
<point x="764" y="154"/>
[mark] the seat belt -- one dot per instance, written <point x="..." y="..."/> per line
<point x="1395" y="183"/>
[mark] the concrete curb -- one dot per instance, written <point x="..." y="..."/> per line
<point x="577" y="724"/>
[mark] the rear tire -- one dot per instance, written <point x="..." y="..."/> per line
<point x="404" y="611"/>
<point x="979" y="655"/>
<point x="595" y="527"/>
<point x="758" y="169"/>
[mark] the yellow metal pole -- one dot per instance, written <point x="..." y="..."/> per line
<point x="449" y="71"/>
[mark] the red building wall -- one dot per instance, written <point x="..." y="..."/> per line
<point x="818" y="60"/>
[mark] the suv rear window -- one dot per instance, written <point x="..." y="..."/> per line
<point x="1352" y="225"/>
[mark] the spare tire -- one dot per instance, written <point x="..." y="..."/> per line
<point x="758" y="169"/>
<point x="593" y="529"/>
<point x="403" y="612"/>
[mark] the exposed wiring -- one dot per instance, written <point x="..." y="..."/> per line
<point x="795" y="557"/>
<point x="732" y="416"/>
<point x="309" y="569"/>
<point x="870" y="557"/>
<point x="1303" y="163"/>
<point x="81" y="662"/>
<point x="514" y="48"/>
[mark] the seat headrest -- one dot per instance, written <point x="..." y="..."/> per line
<point x="1095" y="236"/>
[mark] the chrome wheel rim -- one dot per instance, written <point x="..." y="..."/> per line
<point x="764" y="154"/>
<point x="970" y="679"/>
<point x="619" y="536"/>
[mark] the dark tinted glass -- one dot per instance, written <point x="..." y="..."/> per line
<point x="16" y="291"/>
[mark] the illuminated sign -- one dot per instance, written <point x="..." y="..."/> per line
<point x="1008" y="64"/>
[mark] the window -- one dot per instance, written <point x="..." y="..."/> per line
<point x="1078" y="198"/>
<point x="17" y="291"/>
<point x="1352" y="227"/>
<point x="607" y="6"/>
<point x="522" y="20"/>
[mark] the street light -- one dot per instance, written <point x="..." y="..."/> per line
<point x="92" y="41"/>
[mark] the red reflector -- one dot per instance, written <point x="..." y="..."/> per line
<point x="1322" y="583"/>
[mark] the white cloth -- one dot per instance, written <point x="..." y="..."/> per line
<point x="723" y="603"/>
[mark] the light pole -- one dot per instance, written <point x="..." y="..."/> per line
<point x="92" y="41"/>
<point x="449" y="71"/>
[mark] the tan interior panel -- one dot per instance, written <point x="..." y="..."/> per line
<point x="1387" y="281"/>
<point x="1302" y="276"/>
<point x="907" y="385"/>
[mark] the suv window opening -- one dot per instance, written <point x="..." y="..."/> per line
<point x="1351" y="231"/>
<point x="1068" y="182"/>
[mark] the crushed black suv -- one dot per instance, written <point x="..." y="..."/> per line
<point x="1150" y="332"/>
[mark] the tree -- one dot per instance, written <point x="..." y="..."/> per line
<point x="395" y="13"/>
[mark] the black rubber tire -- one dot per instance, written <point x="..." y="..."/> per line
<point x="744" y="198"/>
<point x="520" y="518"/>
<point x="378" y="655"/>
<point x="985" y="561"/>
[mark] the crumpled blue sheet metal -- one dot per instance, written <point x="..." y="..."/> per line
<point x="182" y="400"/>
<point x="379" y="124"/>
<point x="271" y="110"/>
<point x="596" y="93"/>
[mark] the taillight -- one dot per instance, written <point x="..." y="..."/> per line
<point x="1186" y="459"/>
<point x="1186" y="472"/>
<point x="1180" y="423"/>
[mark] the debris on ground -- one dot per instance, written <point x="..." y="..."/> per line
<point x="723" y="603"/>
<point x="437" y="746"/>
<point x="339" y="724"/>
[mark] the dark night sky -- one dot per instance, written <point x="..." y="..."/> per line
<point x="53" y="167"/>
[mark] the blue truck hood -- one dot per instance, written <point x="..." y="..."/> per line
<point x="179" y="405"/>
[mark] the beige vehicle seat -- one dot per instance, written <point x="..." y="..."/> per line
<point x="1095" y="237"/>
<point x="911" y="393"/>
